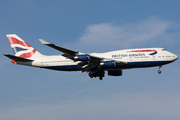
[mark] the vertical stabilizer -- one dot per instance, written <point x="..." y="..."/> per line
<point x="21" y="48"/>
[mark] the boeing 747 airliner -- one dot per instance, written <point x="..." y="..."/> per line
<point x="95" y="64"/>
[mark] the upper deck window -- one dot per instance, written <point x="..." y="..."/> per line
<point x="163" y="49"/>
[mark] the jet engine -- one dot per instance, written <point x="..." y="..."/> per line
<point x="82" y="58"/>
<point x="108" y="64"/>
<point x="115" y="73"/>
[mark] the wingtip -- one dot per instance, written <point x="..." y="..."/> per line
<point x="43" y="41"/>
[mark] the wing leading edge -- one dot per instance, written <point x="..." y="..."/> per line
<point x="62" y="49"/>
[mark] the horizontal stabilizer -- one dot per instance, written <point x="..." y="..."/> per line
<point x="64" y="50"/>
<point x="15" y="58"/>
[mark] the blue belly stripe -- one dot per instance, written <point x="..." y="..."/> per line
<point x="129" y="65"/>
<point x="65" y="68"/>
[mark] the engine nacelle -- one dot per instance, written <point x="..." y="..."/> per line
<point x="115" y="73"/>
<point x="108" y="64"/>
<point x="82" y="58"/>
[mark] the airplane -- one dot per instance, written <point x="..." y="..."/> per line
<point x="95" y="63"/>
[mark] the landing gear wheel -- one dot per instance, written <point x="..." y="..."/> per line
<point x="90" y="75"/>
<point x="159" y="71"/>
<point x="100" y="78"/>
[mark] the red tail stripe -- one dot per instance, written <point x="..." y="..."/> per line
<point x="13" y="40"/>
<point x="144" y="51"/>
<point x="27" y="55"/>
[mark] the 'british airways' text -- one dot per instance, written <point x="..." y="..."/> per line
<point x="128" y="55"/>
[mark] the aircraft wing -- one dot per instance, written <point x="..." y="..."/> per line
<point x="67" y="52"/>
<point x="87" y="61"/>
<point x="64" y="50"/>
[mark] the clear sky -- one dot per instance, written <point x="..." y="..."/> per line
<point x="28" y="93"/>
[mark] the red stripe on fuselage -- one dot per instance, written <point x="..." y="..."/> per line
<point x="13" y="40"/>
<point x="144" y="51"/>
<point x="27" y="55"/>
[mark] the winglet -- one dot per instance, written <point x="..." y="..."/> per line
<point x="43" y="42"/>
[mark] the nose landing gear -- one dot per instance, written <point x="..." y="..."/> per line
<point x="159" y="71"/>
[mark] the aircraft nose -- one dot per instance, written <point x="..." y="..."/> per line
<point x="175" y="58"/>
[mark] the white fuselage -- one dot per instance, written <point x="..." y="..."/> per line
<point x="134" y="58"/>
<point x="95" y="63"/>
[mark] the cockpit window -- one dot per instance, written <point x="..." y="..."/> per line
<point x="163" y="49"/>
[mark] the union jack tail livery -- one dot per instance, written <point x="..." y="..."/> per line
<point x="21" y="48"/>
<point x="114" y="62"/>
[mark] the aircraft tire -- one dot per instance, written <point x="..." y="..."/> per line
<point x="90" y="75"/>
<point x="159" y="71"/>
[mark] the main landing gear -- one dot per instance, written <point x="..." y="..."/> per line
<point x="99" y="74"/>
<point x="159" y="71"/>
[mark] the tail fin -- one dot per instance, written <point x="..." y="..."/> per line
<point x="21" y="48"/>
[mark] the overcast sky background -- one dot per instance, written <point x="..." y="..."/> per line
<point x="28" y="93"/>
